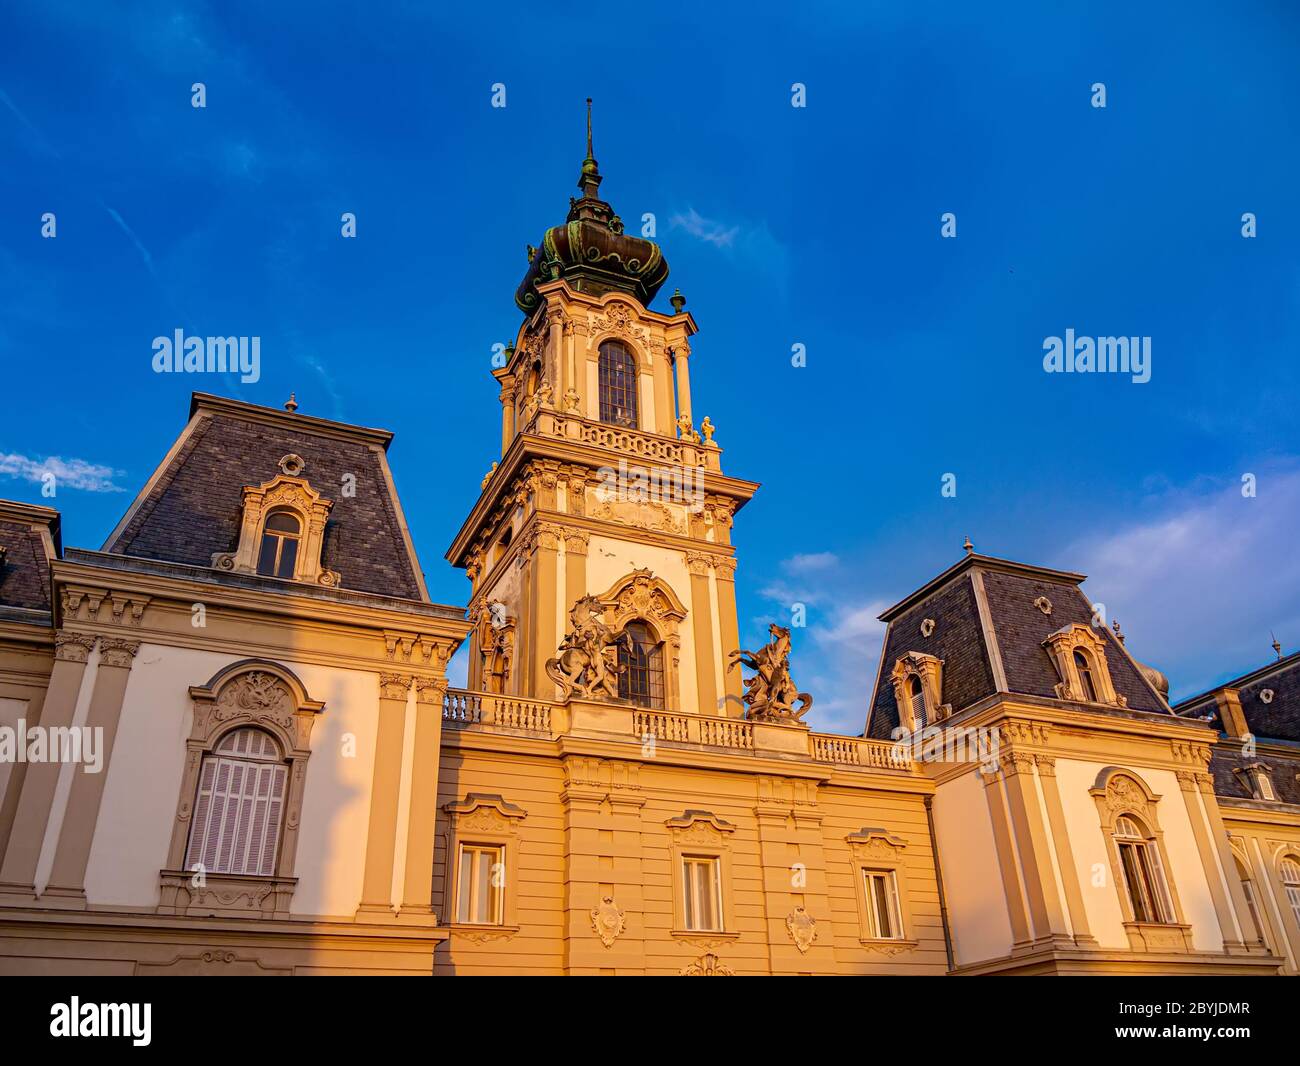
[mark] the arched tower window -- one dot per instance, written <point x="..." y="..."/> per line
<point x="1290" y="870"/>
<point x="617" y="384"/>
<point x="1086" y="680"/>
<point x="239" y="806"/>
<point x="280" y="537"/>
<point x="642" y="659"/>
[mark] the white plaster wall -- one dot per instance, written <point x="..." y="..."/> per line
<point x="972" y="879"/>
<point x="1096" y="881"/>
<point x="608" y="560"/>
<point x="11" y="712"/>
<point x="144" y="780"/>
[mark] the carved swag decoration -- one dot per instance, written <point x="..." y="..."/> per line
<point x="770" y="693"/>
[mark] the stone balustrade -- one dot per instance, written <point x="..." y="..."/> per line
<point x="508" y="714"/>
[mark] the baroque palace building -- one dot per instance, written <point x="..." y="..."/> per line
<point x="287" y="785"/>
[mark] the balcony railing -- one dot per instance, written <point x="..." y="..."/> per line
<point x="487" y="712"/>
<point x="651" y="447"/>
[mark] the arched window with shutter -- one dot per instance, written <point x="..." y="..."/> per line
<point x="916" y="694"/>
<point x="1086" y="681"/>
<point x="617" y="373"/>
<point x="239" y="806"/>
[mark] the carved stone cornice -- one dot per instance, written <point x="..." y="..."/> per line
<point x="1019" y="731"/>
<point x="73" y="647"/>
<point x="85" y="604"/>
<point x="114" y="651"/>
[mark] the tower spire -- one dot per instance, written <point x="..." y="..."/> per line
<point x="589" y="178"/>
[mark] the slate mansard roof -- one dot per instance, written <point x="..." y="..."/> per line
<point x="191" y="508"/>
<point x="985" y="620"/>
<point x="30" y="538"/>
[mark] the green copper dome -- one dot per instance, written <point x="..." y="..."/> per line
<point x="590" y="251"/>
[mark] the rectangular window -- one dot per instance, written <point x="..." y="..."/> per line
<point x="883" y="921"/>
<point x="702" y="893"/>
<point x="480" y="894"/>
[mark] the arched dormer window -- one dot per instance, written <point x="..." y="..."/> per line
<point x="642" y="658"/>
<point x="618" y="380"/>
<point x="1084" y="670"/>
<point x="282" y="530"/>
<point x="280" y="539"/>
<point x="918" y="691"/>
<point x="1079" y="654"/>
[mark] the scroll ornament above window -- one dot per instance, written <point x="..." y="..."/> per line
<point x="1079" y="655"/>
<point x="282" y="533"/>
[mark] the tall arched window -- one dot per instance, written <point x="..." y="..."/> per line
<point x="1248" y="890"/>
<point x="1290" y="870"/>
<point x="239" y="806"/>
<point x="617" y="384"/>
<point x="1144" y="876"/>
<point x="917" y="695"/>
<point x="1086" y="680"/>
<point x="280" y="537"/>
<point x="642" y="659"/>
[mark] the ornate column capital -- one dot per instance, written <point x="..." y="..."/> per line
<point x="699" y="563"/>
<point x="430" y="690"/>
<point x="394" y="686"/>
<point x="73" y="647"/>
<point x="576" y="541"/>
<point x="114" y="651"/>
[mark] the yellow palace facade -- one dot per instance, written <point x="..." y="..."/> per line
<point x="283" y="781"/>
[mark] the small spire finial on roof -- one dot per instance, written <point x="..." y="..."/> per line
<point x="590" y="154"/>
<point x="589" y="178"/>
<point x="292" y="405"/>
<point x="1277" y="648"/>
<point x="1119" y="635"/>
<point x="970" y="548"/>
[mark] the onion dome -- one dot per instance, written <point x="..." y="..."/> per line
<point x="590" y="251"/>
<point x="1157" y="680"/>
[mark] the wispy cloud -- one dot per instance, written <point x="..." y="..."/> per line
<point x="68" y="473"/>
<point x="706" y="229"/>
<point x="139" y="245"/>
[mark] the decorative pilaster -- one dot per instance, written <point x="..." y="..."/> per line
<point x="381" y="836"/>
<point x="1006" y="852"/>
<point x="68" y="875"/>
<point x="699" y="564"/>
<point x="724" y="573"/>
<point x="576" y="542"/>
<point x="18" y="873"/>
<point x="544" y="602"/>
<point x="1033" y="848"/>
<point x="417" y="885"/>
<point x="1064" y="852"/>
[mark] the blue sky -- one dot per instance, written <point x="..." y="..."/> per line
<point x="817" y="226"/>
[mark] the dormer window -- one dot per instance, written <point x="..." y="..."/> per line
<point x="282" y="531"/>
<point x="1079" y="655"/>
<point x="1258" y="779"/>
<point x="617" y="375"/>
<point x="279" y="545"/>
<point x="918" y="690"/>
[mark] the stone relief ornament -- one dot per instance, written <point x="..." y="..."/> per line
<point x="607" y="921"/>
<point x="802" y="927"/>
<point x="588" y="660"/>
<point x="1043" y="604"/>
<point x="708" y="966"/>
<point x="770" y="692"/>
<point x="927" y="627"/>
<point x="1267" y="695"/>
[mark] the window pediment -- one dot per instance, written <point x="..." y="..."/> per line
<point x="918" y="689"/>
<point x="285" y="509"/>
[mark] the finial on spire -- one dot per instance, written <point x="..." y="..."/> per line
<point x="1277" y="648"/>
<point x="970" y="548"/>
<point x="589" y="177"/>
<point x="590" y="154"/>
<point x="292" y="405"/>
